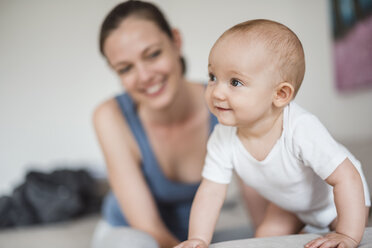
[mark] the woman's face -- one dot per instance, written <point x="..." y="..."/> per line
<point x="146" y="60"/>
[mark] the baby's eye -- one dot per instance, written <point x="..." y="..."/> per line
<point x="236" y="83"/>
<point x="211" y="77"/>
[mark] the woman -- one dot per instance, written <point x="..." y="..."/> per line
<point x="154" y="136"/>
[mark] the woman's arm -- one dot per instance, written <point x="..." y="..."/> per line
<point x="125" y="175"/>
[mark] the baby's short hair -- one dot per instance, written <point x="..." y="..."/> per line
<point x="282" y="42"/>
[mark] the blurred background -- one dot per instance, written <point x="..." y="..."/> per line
<point x="52" y="75"/>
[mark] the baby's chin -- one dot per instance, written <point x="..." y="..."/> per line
<point x="226" y="122"/>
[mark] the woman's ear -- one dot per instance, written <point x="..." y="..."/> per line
<point x="283" y="94"/>
<point x="177" y="40"/>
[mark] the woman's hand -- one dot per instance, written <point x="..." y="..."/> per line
<point x="333" y="240"/>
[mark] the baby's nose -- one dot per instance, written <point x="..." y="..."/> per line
<point x="219" y="91"/>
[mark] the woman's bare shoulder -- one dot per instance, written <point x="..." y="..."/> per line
<point x="111" y="127"/>
<point x="108" y="119"/>
<point x="106" y="111"/>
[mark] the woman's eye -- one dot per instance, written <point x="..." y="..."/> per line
<point x="155" y="54"/>
<point x="124" y="70"/>
<point x="212" y="77"/>
<point x="236" y="83"/>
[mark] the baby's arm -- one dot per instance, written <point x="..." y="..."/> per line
<point x="351" y="211"/>
<point x="204" y="214"/>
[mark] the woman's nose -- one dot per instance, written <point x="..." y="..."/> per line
<point x="144" y="73"/>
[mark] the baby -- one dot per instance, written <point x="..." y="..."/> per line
<point x="274" y="145"/>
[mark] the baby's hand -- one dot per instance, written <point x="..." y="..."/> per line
<point x="192" y="243"/>
<point x="333" y="240"/>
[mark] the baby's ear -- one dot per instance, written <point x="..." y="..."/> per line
<point x="283" y="94"/>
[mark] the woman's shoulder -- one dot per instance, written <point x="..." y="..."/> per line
<point x="106" y="110"/>
<point x="114" y="135"/>
<point x="110" y="124"/>
<point x="109" y="116"/>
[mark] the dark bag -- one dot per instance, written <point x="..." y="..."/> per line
<point x="53" y="197"/>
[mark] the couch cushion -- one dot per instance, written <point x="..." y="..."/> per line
<point x="290" y="241"/>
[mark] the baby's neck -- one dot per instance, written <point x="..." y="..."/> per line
<point x="268" y="126"/>
<point x="260" y="139"/>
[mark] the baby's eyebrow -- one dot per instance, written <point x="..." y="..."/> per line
<point x="242" y="74"/>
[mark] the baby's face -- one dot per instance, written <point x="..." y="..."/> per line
<point x="241" y="83"/>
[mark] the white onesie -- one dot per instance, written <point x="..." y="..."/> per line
<point x="293" y="173"/>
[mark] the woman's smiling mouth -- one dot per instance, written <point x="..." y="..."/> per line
<point x="155" y="89"/>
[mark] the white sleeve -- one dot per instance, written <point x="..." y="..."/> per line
<point x="315" y="147"/>
<point x="218" y="167"/>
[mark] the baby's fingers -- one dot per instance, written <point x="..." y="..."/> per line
<point x="186" y="245"/>
<point x="182" y="245"/>
<point x="324" y="242"/>
<point x="191" y="244"/>
<point x="316" y="242"/>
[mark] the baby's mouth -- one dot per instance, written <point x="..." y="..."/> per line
<point x="222" y="109"/>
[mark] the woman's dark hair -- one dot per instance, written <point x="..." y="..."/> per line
<point x="145" y="10"/>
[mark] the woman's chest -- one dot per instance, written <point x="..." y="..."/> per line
<point x="180" y="151"/>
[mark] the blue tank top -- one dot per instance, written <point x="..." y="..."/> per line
<point x="173" y="199"/>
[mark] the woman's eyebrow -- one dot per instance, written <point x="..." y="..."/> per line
<point x="120" y="63"/>
<point x="150" y="47"/>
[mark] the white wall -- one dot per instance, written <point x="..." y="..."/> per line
<point x="52" y="76"/>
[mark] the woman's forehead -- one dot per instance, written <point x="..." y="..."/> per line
<point x="133" y="36"/>
<point x="139" y="28"/>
